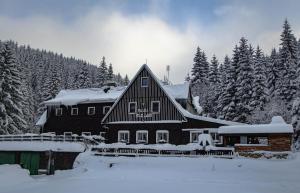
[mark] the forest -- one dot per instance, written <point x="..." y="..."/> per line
<point x="251" y="86"/>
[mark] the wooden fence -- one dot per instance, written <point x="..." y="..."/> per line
<point x="33" y="137"/>
<point x="162" y="153"/>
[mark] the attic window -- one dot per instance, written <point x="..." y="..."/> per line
<point x="132" y="107"/>
<point x="155" y="106"/>
<point x="58" y="111"/>
<point x="144" y="81"/>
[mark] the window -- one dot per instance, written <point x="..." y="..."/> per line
<point x="91" y="111"/>
<point x="123" y="136"/>
<point x="155" y="106"/>
<point x="58" y="111"/>
<point x="142" y="136"/>
<point x="243" y="140"/>
<point x="144" y="81"/>
<point x="132" y="107"/>
<point x="86" y="133"/>
<point x="194" y="136"/>
<point x="162" y="136"/>
<point x="74" y="111"/>
<point x="105" y="109"/>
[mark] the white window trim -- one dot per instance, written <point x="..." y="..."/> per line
<point x="135" y="109"/>
<point x="86" y="133"/>
<point x="162" y="131"/>
<point x="58" y="109"/>
<point x="68" y="133"/>
<point x="152" y="107"/>
<point x="141" y="131"/>
<point x="142" y="81"/>
<point x="191" y="132"/>
<point x="88" y="111"/>
<point x="123" y="131"/>
<point x="105" y="107"/>
<point x="73" y="108"/>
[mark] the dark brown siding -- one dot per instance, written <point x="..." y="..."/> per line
<point x="76" y="123"/>
<point x="144" y="95"/>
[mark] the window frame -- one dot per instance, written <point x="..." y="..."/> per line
<point x="191" y="134"/>
<point x="162" y="131"/>
<point x="88" y="110"/>
<point x="103" y="109"/>
<point x="152" y="107"/>
<point x="119" y="136"/>
<point x="136" y="137"/>
<point x="144" y="77"/>
<point x="56" y="111"/>
<point x="135" y="109"/>
<point x="73" y="108"/>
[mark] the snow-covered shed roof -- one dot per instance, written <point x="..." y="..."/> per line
<point x="277" y="125"/>
<point x="94" y="95"/>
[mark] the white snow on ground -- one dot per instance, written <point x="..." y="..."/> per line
<point x="41" y="146"/>
<point x="160" y="175"/>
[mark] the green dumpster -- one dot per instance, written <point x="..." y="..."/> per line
<point x="30" y="161"/>
<point x="7" y="158"/>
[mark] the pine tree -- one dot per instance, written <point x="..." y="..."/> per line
<point x="110" y="73"/>
<point x="126" y="80"/>
<point x="259" y="96"/>
<point x="273" y="71"/>
<point x="102" y="76"/>
<point x="244" y="83"/>
<point x="296" y="116"/>
<point x="11" y="93"/>
<point x="214" y="87"/>
<point x="82" y="78"/>
<point x="288" y="61"/>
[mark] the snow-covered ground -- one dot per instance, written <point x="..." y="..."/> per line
<point x="154" y="175"/>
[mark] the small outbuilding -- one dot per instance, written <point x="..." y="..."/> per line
<point x="276" y="136"/>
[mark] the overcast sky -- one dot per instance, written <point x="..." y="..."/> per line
<point x="165" y="32"/>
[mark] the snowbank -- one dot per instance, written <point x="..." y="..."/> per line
<point x="196" y="104"/>
<point x="41" y="146"/>
<point x="277" y="125"/>
<point x="13" y="175"/>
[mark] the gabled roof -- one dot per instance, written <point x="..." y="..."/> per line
<point x="145" y="66"/>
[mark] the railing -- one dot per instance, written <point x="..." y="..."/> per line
<point x="33" y="137"/>
<point x="162" y="153"/>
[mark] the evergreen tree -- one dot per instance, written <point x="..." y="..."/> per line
<point x="126" y="80"/>
<point x="288" y="61"/>
<point x="110" y="73"/>
<point x="187" y="78"/>
<point x="11" y="93"/>
<point x="102" y="73"/>
<point x="259" y="96"/>
<point x="244" y="83"/>
<point x="296" y="116"/>
<point x="273" y="71"/>
<point x="83" y="80"/>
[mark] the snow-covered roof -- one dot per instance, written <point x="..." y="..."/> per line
<point x="88" y="95"/>
<point x="277" y="125"/>
<point x="42" y="120"/>
<point x="178" y="91"/>
<point x="95" y="95"/>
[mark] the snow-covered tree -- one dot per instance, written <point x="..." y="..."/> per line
<point x="110" y="73"/>
<point x="126" y="80"/>
<point x="83" y="80"/>
<point x="244" y="83"/>
<point x="102" y="76"/>
<point x="259" y="95"/>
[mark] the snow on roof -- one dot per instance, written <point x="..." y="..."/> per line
<point x="41" y="146"/>
<point x="277" y="125"/>
<point x="42" y="120"/>
<point x="94" y="95"/>
<point x="178" y="91"/>
<point x="88" y="95"/>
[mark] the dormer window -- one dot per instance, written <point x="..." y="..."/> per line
<point x="155" y="106"/>
<point x="58" y="111"/>
<point x="144" y="81"/>
<point x="91" y="111"/>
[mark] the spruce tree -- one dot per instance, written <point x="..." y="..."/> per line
<point x="83" y="80"/>
<point x="244" y="83"/>
<point x="126" y="80"/>
<point x="102" y="76"/>
<point x="110" y="73"/>
<point x="259" y="95"/>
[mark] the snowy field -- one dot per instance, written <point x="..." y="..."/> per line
<point x="154" y="175"/>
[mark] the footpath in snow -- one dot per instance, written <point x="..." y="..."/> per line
<point x="94" y="174"/>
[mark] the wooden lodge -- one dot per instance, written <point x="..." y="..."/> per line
<point x="145" y="112"/>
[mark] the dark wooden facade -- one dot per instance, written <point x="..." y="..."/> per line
<point x="75" y="123"/>
<point x="143" y="96"/>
